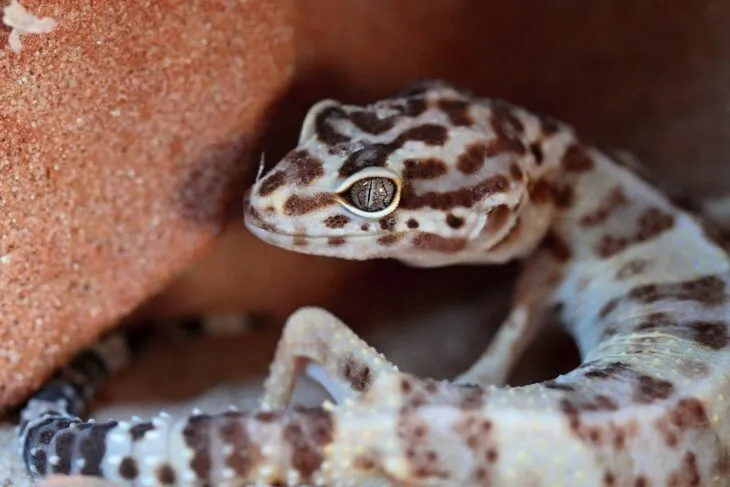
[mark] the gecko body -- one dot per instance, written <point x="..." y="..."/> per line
<point x="436" y="176"/>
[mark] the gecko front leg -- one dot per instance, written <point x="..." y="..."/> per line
<point x="314" y="336"/>
<point x="525" y="319"/>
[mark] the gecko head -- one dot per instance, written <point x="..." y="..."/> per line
<point x="425" y="177"/>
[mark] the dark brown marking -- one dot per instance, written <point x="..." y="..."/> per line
<point x="415" y="106"/>
<point x="608" y="308"/>
<point x="297" y="205"/>
<point x="453" y="221"/>
<point x="548" y="126"/>
<point x="272" y="182"/>
<point x="92" y="448"/>
<point x="508" y="129"/>
<point x="138" y="431"/>
<point x="537" y="153"/>
<point x="307" y="433"/>
<point x="336" y="221"/>
<point x="576" y="159"/>
<point x="688" y="473"/>
<point x="711" y="334"/>
<point x="306" y="168"/>
<point x="609" y="479"/>
<point x="632" y="268"/>
<point x="464" y="197"/>
<point x="649" y="389"/>
<point x="335" y="241"/>
<point x="472" y="159"/>
<point x="457" y="111"/>
<point x="424" y="168"/>
<point x="356" y="373"/>
<point x="563" y="196"/>
<point x="437" y="243"/>
<point x="652" y="223"/>
<point x="365" y="227"/>
<point x="557" y="247"/>
<point x="610" y="203"/>
<point x="515" y="172"/>
<point x="641" y="481"/>
<point x="428" y="133"/>
<point x="541" y="192"/>
<point x="323" y="126"/>
<point x="411" y="223"/>
<point x="689" y="413"/>
<point x="197" y="437"/>
<point x="387" y="223"/>
<point x="166" y="474"/>
<point x="707" y="290"/>
<point x="128" y="468"/>
<point x="375" y="155"/>
<point x="609" y="246"/>
<point x="233" y="434"/>
<point x="369" y="122"/>
<point x="390" y="239"/>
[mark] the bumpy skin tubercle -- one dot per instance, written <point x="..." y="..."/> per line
<point x="433" y="177"/>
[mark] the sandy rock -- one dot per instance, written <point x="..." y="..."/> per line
<point x="123" y="131"/>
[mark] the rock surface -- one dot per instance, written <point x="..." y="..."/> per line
<point x="122" y="133"/>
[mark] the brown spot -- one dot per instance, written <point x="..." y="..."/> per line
<point x="540" y="191"/>
<point x="138" y="431"/>
<point x="608" y="308"/>
<point x="472" y="159"/>
<point x="576" y="159"/>
<point x="366" y="461"/>
<point x="515" y="172"/>
<point x="464" y="197"/>
<point x="166" y="474"/>
<point x="365" y="227"/>
<point x="424" y="168"/>
<point x="336" y="221"/>
<point x="390" y="239"/>
<point x="563" y="196"/>
<point x="428" y="133"/>
<point x="548" y="126"/>
<point x="300" y="241"/>
<point x="369" y="122"/>
<point x="306" y="433"/>
<point x="609" y="246"/>
<point x="414" y="107"/>
<point x="457" y="111"/>
<point x="610" y="203"/>
<point x="655" y="320"/>
<point x="688" y="474"/>
<point x="649" y="389"/>
<point x="537" y="153"/>
<point x="301" y="205"/>
<point x="357" y="374"/>
<point x="689" y="414"/>
<point x="711" y="334"/>
<point x="557" y="247"/>
<point x="335" y="241"/>
<point x="323" y="126"/>
<point x="608" y="371"/>
<point x="411" y="223"/>
<point x="306" y="168"/>
<point x="197" y="438"/>
<point x="454" y="221"/>
<point x="632" y="268"/>
<point x="128" y="468"/>
<point x="641" y="481"/>
<point x="412" y="432"/>
<point x="387" y="223"/>
<point x="272" y="182"/>
<point x="609" y="479"/>
<point x="652" y="223"/>
<point x="708" y="290"/>
<point x="437" y="243"/>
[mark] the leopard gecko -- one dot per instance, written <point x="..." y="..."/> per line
<point x="437" y="176"/>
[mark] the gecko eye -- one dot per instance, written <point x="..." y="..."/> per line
<point x="371" y="193"/>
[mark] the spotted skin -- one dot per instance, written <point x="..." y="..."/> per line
<point x="630" y="276"/>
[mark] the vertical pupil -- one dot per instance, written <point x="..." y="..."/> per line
<point x="372" y="194"/>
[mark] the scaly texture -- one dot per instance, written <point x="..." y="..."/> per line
<point x="432" y="177"/>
